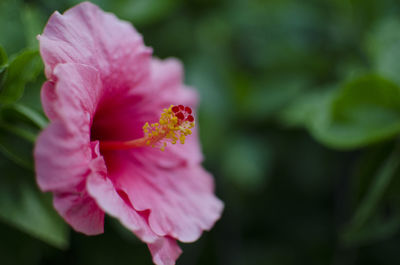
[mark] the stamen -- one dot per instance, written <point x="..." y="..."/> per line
<point x="175" y="124"/>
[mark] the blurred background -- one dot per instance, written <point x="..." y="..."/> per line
<point x="299" y="115"/>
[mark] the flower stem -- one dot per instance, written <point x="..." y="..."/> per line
<point x="30" y="137"/>
<point x="30" y="114"/>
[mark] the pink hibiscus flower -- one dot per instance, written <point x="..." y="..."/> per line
<point x="99" y="155"/>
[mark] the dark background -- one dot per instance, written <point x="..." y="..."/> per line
<point x="291" y="193"/>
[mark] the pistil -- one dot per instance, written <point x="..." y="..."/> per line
<point x="175" y="124"/>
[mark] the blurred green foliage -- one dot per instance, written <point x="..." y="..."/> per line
<point x="299" y="117"/>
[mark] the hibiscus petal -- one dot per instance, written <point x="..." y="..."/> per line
<point x="165" y="251"/>
<point x="180" y="200"/>
<point x="114" y="203"/>
<point x="167" y="82"/>
<point x="86" y="35"/>
<point x="76" y="95"/>
<point x="61" y="158"/>
<point x="62" y="152"/>
<point x="80" y="211"/>
<point x="66" y="176"/>
<point x="111" y="202"/>
<point x="48" y="96"/>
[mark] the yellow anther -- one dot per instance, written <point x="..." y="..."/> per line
<point x="169" y="128"/>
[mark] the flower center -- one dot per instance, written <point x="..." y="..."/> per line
<point x="175" y="124"/>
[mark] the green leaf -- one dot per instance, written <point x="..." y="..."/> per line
<point x="30" y="114"/>
<point x="3" y="65"/>
<point x="304" y="109"/>
<point x="382" y="47"/>
<point x="3" y="74"/>
<point x="363" y="111"/>
<point x="14" y="148"/>
<point x="23" y="206"/>
<point x="21" y="70"/>
<point x="3" y="57"/>
<point x="360" y="229"/>
<point x="377" y="229"/>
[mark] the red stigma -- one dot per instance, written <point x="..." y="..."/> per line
<point x="188" y="110"/>
<point x="180" y="115"/>
<point x="190" y="118"/>
<point x="183" y="113"/>
<point x="175" y="109"/>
